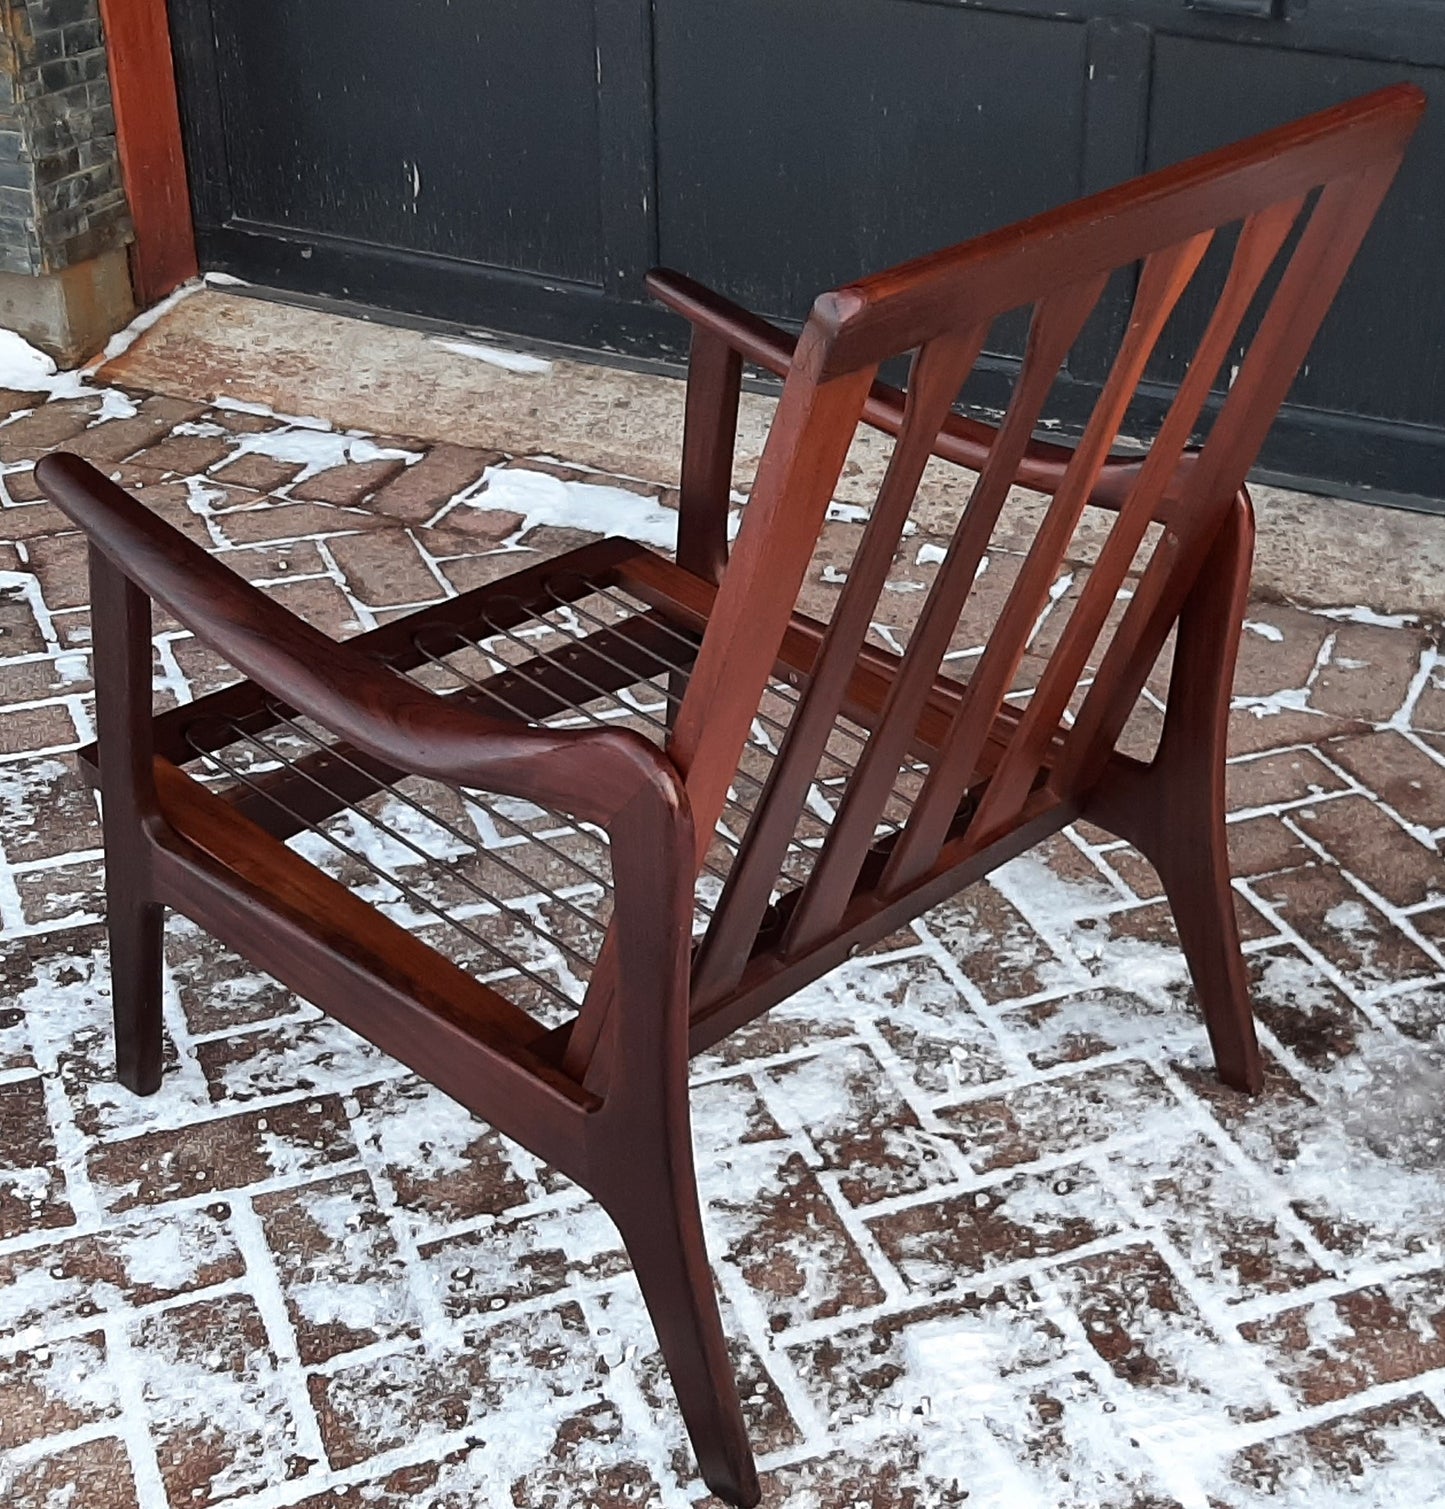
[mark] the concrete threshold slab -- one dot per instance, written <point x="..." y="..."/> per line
<point x="392" y="380"/>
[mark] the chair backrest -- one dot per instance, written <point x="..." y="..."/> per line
<point x="1312" y="187"/>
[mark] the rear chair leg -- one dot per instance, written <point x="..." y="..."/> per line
<point x="1177" y="823"/>
<point x="661" y="1227"/>
<point x="1190" y="850"/>
<point x="1173" y="812"/>
<point x="1192" y="859"/>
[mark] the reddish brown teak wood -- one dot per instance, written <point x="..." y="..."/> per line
<point x="603" y="1094"/>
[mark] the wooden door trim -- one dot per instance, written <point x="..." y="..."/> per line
<point x="148" y="134"/>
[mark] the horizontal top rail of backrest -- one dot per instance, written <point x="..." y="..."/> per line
<point x="867" y="322"/>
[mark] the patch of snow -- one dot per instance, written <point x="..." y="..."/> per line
<point x="1367" y="1151"/>
<point x="1295" y="699"/>
<point x="123" y="340"/>
<point x="114" y="405"/>
<point x="496" y="356"/>
<point x="39" y="1294"/>
<point x="29" y="370"/>
<point x="931" y="555"/>
<point x="318" y="450"/>
<point x="265" y="411"/>
<point x="426" y="1132"/>
<point x="1056" y="591"/>
<point x="1406" y="1464"/>
<point x="1048" y="900"/>
<point x="1324" y="1325"/>
<point x="1348" y="917"/>
<point x="24" y="786"/>
<point x="393" y="840"/>
<point x="202" y="499"/>
<point x="358" y="1281"/>
<point x="75" y="1375"/>
<point x="168" y="1254"/>
<point x="317" y="1054"/>
<point x="231" y="1406"/>
<point x="543" y="499"/>
<point x="1359" y="614"/>
<point x="1265" y="631"/>
<point x="23" y="366"/>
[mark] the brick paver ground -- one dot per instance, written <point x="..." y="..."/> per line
<point x="986" y="1229"/>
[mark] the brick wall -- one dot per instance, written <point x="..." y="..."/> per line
<point x="61" y="199"/>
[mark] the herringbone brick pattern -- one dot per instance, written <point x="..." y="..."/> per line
<point x="985" y="1228"/>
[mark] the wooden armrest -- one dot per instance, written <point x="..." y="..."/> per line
<point x="961" y="440"/>
<point x="591" y="774"/>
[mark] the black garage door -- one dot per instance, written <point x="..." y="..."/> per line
<point x="519" y="164"/>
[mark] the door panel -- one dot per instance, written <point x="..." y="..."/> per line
<point x="466" y="130"/>
<point x="1381" y="351"/>
<point x="848" y="135"/>
<point x="519" y="164"/>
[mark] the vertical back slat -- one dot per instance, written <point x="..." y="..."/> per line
<point x="799" y="469"/>
<point x="1260" y="240"/>
<point x="1056" y="324"/>
<point x="1315" y="271"/>
<point x="809" y="439"/>
<point x="938" y="374"/>
<point x="1165" y="276"/>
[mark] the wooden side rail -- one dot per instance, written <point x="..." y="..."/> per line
<point x="208" y="837"/>
<point x="591" y="774"/>
<point x="963" y="441"/>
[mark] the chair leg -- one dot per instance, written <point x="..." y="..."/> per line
<point x="1173" y="812"/>
<point x="1177" y="824"/>
<point x="661" y="1227"/>
<point x="121" y="630"/>
<point x="1192" y="859"/>
<point x="135" y="928"/>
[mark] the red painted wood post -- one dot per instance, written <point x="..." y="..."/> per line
<point x="148" y="133"/>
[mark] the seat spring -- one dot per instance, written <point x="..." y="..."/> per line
<point x="229" y="768"/>
<point x="621" y="705"/>
<point x="804" y="848"/>
<point x="447" y="827"/>
<point x="785" y="693"/>
<point x="777" y="688"/>
<point x="796" y="845"/>
<point x="625" y="709"/>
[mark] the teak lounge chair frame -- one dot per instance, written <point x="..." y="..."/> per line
<point x="935" y="781"/>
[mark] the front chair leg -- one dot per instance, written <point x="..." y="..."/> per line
<point x="135" y="926"/>
<point x="121" y="630"/>
<point x="658" y="1217"/>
